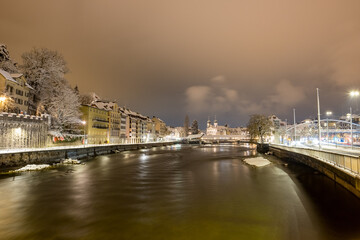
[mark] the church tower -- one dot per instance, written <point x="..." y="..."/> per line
<point x="215" y="122"/>
<point x="208" y="123"/>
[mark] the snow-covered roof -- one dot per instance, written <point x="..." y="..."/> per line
<point x="16" y="75"/>
<point x="26" y="84"/>
<point x="105" y="105"/>
<point x="7" y="75"/>
<point x="132" y="113"/>
<point x="11" y="76"/>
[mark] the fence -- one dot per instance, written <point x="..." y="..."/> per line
<point x="346" y="161"/>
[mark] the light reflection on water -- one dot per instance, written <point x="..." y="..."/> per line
<point x="176" y="192"/>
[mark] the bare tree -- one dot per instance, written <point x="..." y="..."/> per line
<point x="64" y="107"/>
<point x="259" y="126"/>
<point x="87" y="98"/>
<point x="45" y="71"/>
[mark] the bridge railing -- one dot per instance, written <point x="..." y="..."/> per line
<point x="345" y="161"/>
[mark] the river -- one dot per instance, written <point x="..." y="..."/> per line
<point x="177" y="192"/>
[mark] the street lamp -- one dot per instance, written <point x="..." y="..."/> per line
<point x="328" y="113"/>
<point x="84" y="123"/>
<point x="2" y="102"/>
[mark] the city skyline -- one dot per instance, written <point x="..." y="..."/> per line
<point x="210" y="58"/>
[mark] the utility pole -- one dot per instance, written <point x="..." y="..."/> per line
<point x="294" y="126"/>
<point x="318" y="107"/>
<point x="351" y="128"/>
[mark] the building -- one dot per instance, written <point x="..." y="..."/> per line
<point x="215" y="129"/>
<point x="160" y="127"/>
<point x="15" y="91"/>
<point x="278" y="130"/>
<point x="355" y="118"/>
<point x="151" y="133"/>
<point x="124" y="126"/>
<point x="114" y="116"/>
<point x="136" y="126"/>
<point x="242" y="132"/>
<point x="97" y="124"/>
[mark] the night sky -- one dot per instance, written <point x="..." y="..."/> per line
<point x="228" y="58"/>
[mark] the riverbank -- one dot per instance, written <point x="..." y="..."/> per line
<point x="341" y="168"/>
<point x="20" y="157"/>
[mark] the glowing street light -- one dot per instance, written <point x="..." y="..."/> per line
<point x="328" y="113"/>
<point x="2" y="102"/>
<point x="354" y="93"/>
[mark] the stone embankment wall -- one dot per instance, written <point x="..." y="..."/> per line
<point x="9" y="160"/>
<point x="346" y="179"/>
<point x="22" y="131"/>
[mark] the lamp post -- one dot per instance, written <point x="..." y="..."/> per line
<point x="328" y="113"/>
<point x="351" y="128"/>
<point x="294" y="127"/>
<point x="353" y="94"/>
<point x="318" y="108"/>
<point x="84" y="123"/>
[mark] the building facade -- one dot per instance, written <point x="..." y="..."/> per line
<point x="15" y="92"/>
<point x="215" y="129"/>
<point x="160" y="127"/>
<point x="96" y="124"/>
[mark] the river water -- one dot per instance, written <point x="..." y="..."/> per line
<point x="177" y="192"/>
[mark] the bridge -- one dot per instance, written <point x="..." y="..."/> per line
<point x="225" y="139"/>
<point x="221" y="139"/>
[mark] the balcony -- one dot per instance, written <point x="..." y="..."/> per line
<point x="100" y="127"/>
<point x="100" y="120"/>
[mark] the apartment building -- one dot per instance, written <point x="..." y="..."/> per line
<point x="15" y="92"/>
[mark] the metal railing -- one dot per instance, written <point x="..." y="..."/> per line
<point x="345" y="161"/>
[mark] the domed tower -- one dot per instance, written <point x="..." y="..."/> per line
<point x="215" y="122"/>
<point x="208" y="122"/>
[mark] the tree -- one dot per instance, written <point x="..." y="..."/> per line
<point x="88" y="98"/>
<point x="76" y="90"/>
<point x="45" y="71"/>
<point x="186" y="125"/>
<point x="5" y="61"/>
<point x="194" y="127"/>
<point x="62" y="107"/>
<point x="259" y="126"/>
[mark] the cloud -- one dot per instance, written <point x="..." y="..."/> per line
<point x="198" y="97"/>
<point x="219" y="98"/>
<point x="218" y="79"/>
<point x="286" y="94"/>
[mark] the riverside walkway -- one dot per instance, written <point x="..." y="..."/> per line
<point x="342" y="165"/>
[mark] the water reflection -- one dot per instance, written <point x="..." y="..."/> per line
<point x="177" y="192"/>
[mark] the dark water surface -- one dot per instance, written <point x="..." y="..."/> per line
<point x="177" y="192"/>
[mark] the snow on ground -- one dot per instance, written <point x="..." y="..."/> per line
<point x="257" y="162"/>
<point x="33" y="167"/>
<point x="70" y="161"/>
